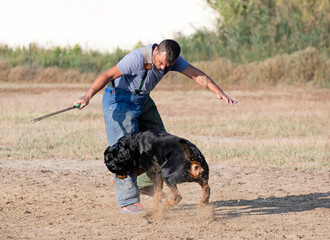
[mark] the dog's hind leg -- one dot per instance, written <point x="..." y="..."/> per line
<point x="206" y="194"/>
<point x="176" y="195"/>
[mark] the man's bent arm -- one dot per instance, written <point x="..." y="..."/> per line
<point x="205" y="81"/>
<point x="99" y="84"/>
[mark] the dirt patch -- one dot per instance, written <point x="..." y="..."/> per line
<point x="57" y="199"/>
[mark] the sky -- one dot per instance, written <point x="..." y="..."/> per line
<point x="101" y="25"/>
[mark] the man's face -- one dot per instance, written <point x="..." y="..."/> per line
<point x="159" y="59"/>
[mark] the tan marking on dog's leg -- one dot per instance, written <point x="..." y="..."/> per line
<point x="157" y="194"/>
<point x="206" y="195"/>
<point x="176" y="196"/>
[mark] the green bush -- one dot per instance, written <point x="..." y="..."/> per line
<point x="253" y="30"/>
<point x="66" y="58"/>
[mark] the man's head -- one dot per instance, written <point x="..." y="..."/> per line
<point x="166" y="53"/>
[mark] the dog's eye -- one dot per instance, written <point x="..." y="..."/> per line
<point x="196" y="168"/>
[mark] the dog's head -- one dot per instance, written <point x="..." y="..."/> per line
<point x="119" y="159"/>
<point x="111" y="158"/>
<point x="125" y="155"/>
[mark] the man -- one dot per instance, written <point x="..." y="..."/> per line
<point x="127" y="106"/>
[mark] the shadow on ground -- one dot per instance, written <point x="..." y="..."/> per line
<point x="265" y="206"/>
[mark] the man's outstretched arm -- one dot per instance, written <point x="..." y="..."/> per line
<point x="205" y="81"/>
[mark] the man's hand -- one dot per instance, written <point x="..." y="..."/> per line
<point x="83" y="101"/>
<point x="99" y="84"/>
<point x="223" y="96"/>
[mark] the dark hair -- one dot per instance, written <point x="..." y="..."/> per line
<point x="171" y="48"/>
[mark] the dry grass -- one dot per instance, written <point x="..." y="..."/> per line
<point x="268" y="128"/>
<point x="21" y="74"/>
<point x="281" y="128"/>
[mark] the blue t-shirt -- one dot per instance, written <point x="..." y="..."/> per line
<point x="132" y="68"/>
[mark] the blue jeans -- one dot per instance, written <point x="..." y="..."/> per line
<point x="125" y="112"/>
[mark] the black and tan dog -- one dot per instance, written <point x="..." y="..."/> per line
<point x="164" y="157"/>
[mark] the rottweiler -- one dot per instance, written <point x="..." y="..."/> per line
<point x="164" y="157"/>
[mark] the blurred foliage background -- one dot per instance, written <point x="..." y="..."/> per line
<point x="253" y="30"/>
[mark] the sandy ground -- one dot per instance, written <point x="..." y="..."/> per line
<point x="70" y="199"/>
<point x="51" y="199"/>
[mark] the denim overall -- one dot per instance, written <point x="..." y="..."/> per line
<point x="126" y="112"/>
